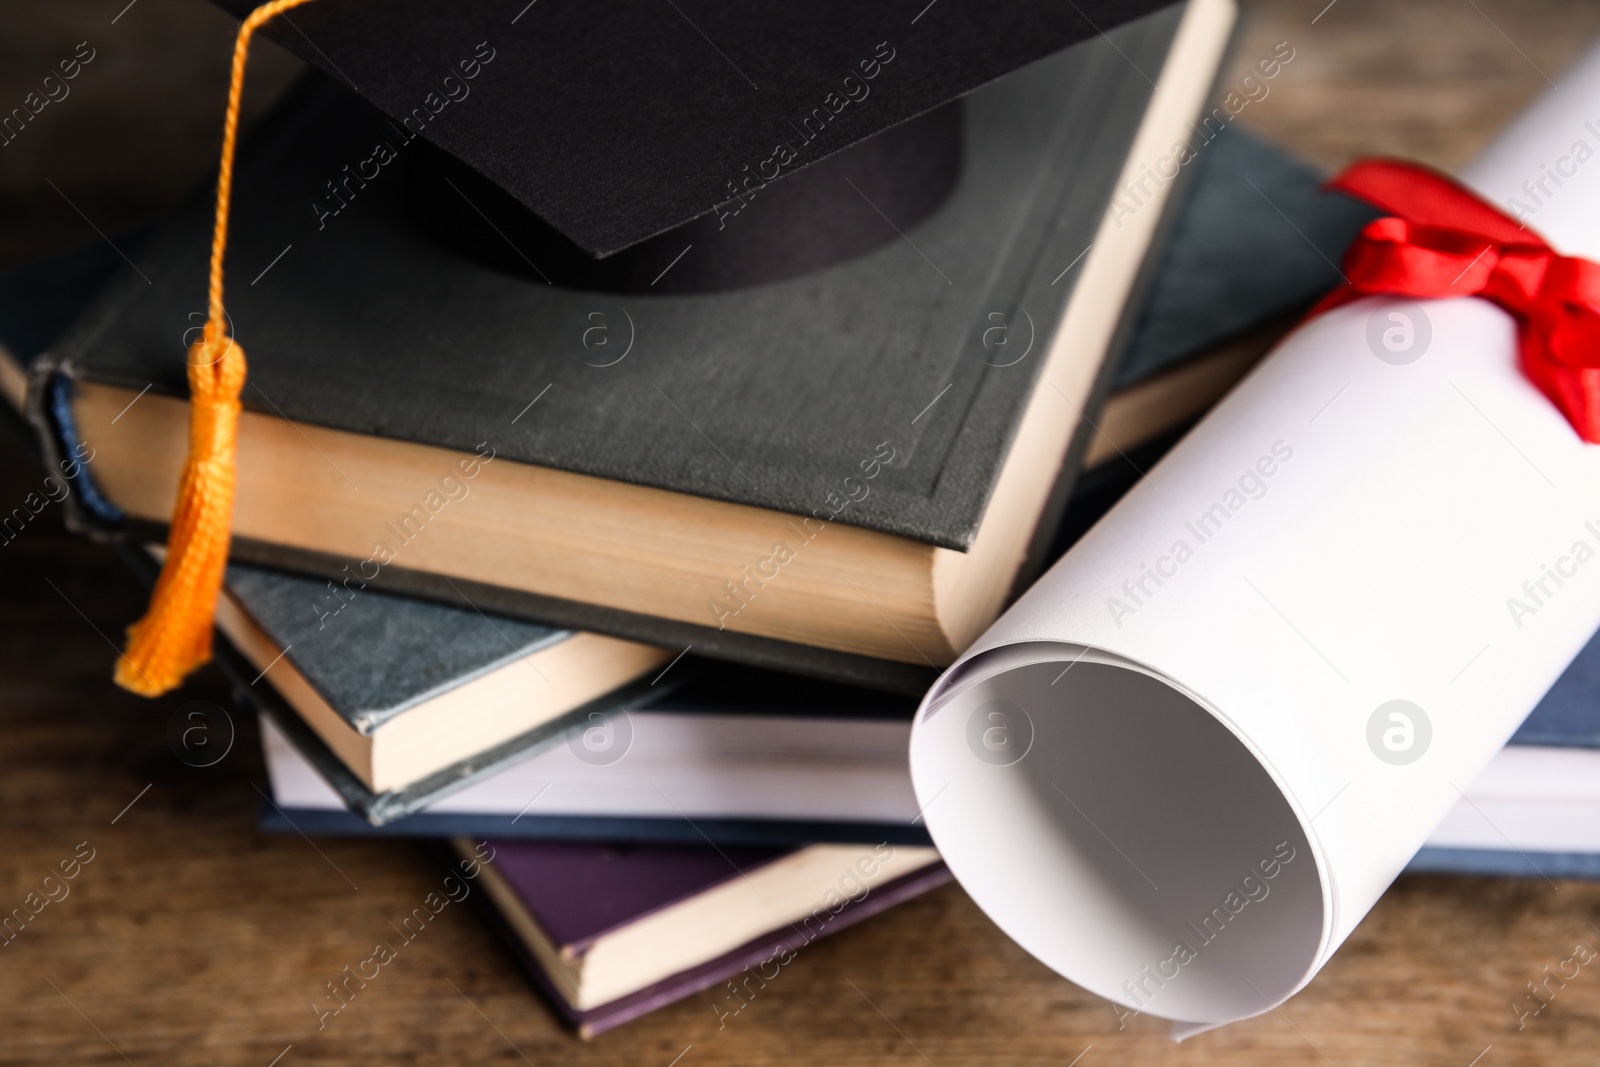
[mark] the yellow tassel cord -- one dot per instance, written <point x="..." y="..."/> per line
<point x="174" y="637"/>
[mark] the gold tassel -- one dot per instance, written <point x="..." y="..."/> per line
<point x="174" y="637"/>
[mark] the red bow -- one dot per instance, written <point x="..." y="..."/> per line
<point x="1443" y="240"/>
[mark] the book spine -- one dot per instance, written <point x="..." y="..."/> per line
<point x="47" y="411"/>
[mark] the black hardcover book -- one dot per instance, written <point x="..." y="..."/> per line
<point x="841" y="472"/>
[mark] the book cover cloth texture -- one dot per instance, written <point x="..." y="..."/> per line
<point x="767" y="396"/>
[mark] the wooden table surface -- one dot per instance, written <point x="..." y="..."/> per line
<point x="191" y="938"/>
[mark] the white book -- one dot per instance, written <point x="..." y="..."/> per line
<point x="686" y="766"/>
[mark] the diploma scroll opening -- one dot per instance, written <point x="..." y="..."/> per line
<point x="1120" y="831"/>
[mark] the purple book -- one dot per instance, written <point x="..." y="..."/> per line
<point x="611" y="932"/>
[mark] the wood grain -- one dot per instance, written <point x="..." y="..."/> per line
<point x="190" y="938"/>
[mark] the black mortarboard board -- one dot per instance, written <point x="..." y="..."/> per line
<point x="618" y="122"/>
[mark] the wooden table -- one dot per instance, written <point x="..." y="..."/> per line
<point x="191" y="938"/>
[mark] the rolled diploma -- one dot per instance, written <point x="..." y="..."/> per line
<point x="1159" y="771"/>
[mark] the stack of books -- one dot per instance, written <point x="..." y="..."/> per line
<point x="620" y="577"/>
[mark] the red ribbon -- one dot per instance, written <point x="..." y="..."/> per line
<point x="1441" y="240"/>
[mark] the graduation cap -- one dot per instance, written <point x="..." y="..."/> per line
<point x="606" y="140"/>
<point x="591" y="144"/>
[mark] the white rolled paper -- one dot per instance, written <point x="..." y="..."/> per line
<point x="1186" y="763"/>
